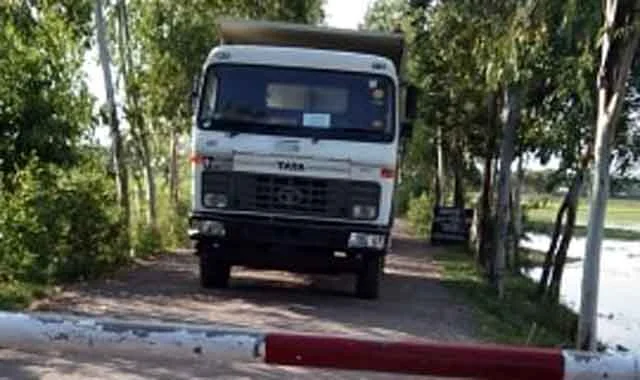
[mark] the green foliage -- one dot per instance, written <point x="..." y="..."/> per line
<point x="172" y="40"/>
<point x="15" y="295"/>
<point x="387" y="15"/>
<point x="460" y="53"/>
<point x="57" y="222"/>
<point x="406" y="190"/>
<point x="174" y="219"/>
<point x="420" y="214"/>
<point x="59" y="225"/>
<point x="145" y="241"/>
<point x="45" y="108"/>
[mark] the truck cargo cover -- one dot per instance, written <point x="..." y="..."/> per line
<point x="244" y="32"/>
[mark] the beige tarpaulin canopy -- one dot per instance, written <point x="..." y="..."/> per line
<point x="387" y="45"/>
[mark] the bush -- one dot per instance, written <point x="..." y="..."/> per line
<point x="145" y="241"/>
<point x="408" y="188"/>
<point x="59" y="225"/>
<point x="420" y="214"/>
<point x="401" y="199"/>
<point x="174" y="221"/>
<point x="172" y="225"/>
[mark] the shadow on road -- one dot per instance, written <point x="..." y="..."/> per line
<point x="413" y="305"/>
<point x="25" y="366"/>
<point x="412" y="302"/>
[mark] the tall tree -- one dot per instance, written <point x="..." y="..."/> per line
<point x="517" y="56"/>
<point x="618" y="48"/>
<point x="513" y="100"/>
<point x="122" y="177"/>
<point x="516" y="213"/>
<point x="566" y="102"/>
<point x="134" y="113"/>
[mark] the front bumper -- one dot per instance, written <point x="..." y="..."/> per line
<point x="336" y="236"/>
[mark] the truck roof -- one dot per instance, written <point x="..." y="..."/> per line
<point x="244" y="32"/>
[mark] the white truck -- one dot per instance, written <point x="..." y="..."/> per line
<point x="295" y="144"/>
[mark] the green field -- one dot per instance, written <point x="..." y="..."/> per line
<point x="622" y="220"/>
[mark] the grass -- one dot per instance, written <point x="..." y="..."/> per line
<point x="510" y="320"/>
<point x="546" y="227"/>
<point x="620" y="212"/>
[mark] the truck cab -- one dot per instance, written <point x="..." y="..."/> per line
<point x="295" y="141"/>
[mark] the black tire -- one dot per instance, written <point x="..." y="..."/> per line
<point x="368" y="279"/>
<point x="214" y="272"/>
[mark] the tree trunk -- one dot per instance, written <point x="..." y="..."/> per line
<point x="496" y="180"/>
<point x="562" y="234"/>
<point x="150" y="181"/>
<point x="567" y="235"/>
<point x="173" y="168"/>
<point x="439" y="193"/>
<point x="507" y="150"/>
<point x="595" y="228"/>
<point x="136" y="119"/>
<point x="517" y="214"/>
<point x="485" y="215"/>
<point x="125" y="41"/>
<point x="142" y="146"/>
<point x="548" y="259"/>
<point x="617" y="53"/>
<point x="140" y="198"/>
<point x="122" y="177"/>
<point x="458" y="188"/>
<point x="508" y="252"/>
<point x="561" y="256"/>
<point x="458" y="167"/>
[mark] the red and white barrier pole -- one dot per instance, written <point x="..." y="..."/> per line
<point x="48" y="332"/>
<point x="448" y="360"/>
<point x="45" y="332"/>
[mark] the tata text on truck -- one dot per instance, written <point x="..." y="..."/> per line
<point x="295" y="151"/>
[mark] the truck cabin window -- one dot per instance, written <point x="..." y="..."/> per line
<point x="298" y="102"/>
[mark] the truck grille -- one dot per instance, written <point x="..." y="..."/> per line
<point x="291" y="195"/>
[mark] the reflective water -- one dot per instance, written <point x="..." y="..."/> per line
<point x="619" y="293"/>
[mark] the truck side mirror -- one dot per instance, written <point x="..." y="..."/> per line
<point x="411" y="102"/>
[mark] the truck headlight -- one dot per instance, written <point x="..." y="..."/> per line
<point x="364" y="212"/>
<point x="365" y="240"/>
<point x="208" y="228"/>
<point x="215" y="200"/>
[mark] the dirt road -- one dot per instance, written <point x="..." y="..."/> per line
<point x="412" y="304"/>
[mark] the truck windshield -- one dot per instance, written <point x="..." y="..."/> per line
<point x="298" y="102"/>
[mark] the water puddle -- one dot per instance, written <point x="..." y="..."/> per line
<point x="619" y="294"/>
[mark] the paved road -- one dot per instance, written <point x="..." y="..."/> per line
<point x="413" y="305"/>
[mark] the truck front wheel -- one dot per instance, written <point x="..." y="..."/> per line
<point x="214" y="271"/>
<point x="368" y="278"/>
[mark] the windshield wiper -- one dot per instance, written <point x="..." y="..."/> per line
<point x="235" y="127"/>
